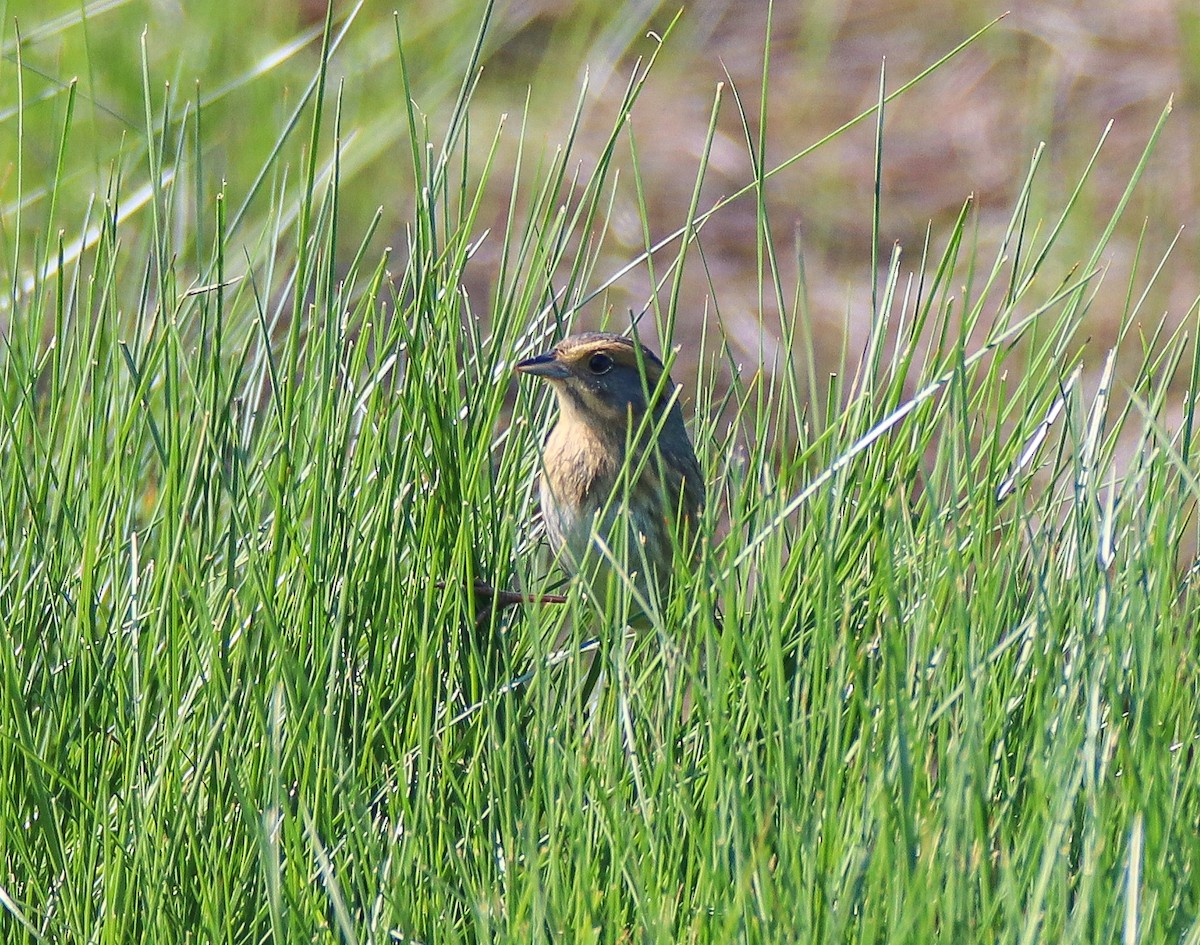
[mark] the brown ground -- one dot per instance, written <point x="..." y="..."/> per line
<point x="1050" y="71"/>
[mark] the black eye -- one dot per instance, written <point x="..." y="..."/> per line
<point x="600" y="364"/>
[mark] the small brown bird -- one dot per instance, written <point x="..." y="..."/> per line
<point x="604" y="438"/>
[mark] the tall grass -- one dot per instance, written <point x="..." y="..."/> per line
<point x="252" y="465"/>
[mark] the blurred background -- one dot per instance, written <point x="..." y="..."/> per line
<point x="1050" y="71"/>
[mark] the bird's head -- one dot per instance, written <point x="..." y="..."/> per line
<point x="601" y="377"/>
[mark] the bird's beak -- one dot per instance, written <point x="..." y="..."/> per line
<point x="544" y="365"/>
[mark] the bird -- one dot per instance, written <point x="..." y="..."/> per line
<point x="620" y="482"/>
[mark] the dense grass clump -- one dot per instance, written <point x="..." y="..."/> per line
<point x="252" y="463"/>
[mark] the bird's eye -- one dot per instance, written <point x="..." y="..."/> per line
<point x="600" y="364"/>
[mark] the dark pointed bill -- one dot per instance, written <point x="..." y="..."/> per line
<point x="544" y="365"/>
